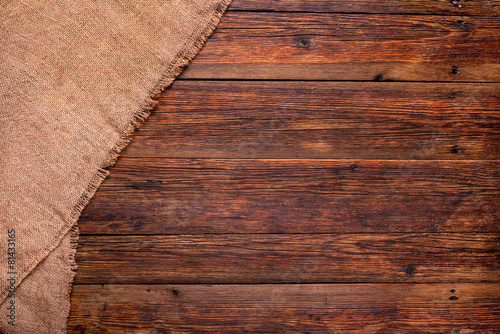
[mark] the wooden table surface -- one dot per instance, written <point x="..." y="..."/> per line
<point x="320" y="167"/>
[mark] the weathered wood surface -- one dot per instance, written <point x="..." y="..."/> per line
<point x="297" y="46"/>
<point x="410" y="178"/>
<point x="175" y="196"/>
<point x="289" y="258"/>
<point x="228" y="119"/>
<point x="156" y="211"/>
<point x="370" y="206"/>
<point x="443" y="7"/>
<point x="308" y="308"/>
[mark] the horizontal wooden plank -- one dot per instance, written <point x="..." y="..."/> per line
<point x="289" y="258"/>
<point x="308" y="308"/>
<point x="156" y="211"/>
<point x="169" y="196"/>
<point x="445" y="7"/>
<point x="297" y="46"/>
<point x="218" y="119"/>
<point x="406" y="178"/>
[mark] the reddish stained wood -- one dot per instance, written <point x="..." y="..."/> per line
<point x="350" y="47"/>
<point x="447" y="7"/>
<point x="405" y="178"/>
<point x="323" y="120"/>
<point x="160" y="211"/>
<point x="288" y="258"/>
<point x="169" y="196"/>
<point x="307" y="308"/>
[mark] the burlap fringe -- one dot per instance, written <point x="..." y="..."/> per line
<point x="187" y="53"/>
<point x="181" y="60"/>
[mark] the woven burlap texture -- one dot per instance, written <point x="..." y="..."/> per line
<point x="76" y="78"/>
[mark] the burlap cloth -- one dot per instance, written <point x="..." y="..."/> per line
<point x="76" y="77"/>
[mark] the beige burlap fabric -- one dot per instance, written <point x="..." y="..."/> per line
<point x="76" y="77"/>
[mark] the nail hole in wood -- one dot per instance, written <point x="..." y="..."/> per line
<point x="456" y="150"/>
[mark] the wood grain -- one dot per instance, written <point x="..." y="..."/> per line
<point x="172" y="196"/>
<point x="288" y="258"/>
<point x="213" y="119"/>
<point x="413" y="178"/>
<point x="291" y="46"/>
<point x="305" y="308"/>
<point x="444" y="7"/>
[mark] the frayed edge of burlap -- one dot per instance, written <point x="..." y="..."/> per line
<point x="182" y="59"/>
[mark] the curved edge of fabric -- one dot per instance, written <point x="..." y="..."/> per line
<point x="183" y="57"/>
<point x="181" y="60"/>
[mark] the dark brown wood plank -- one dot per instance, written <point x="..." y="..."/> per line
<point x="339" y="308"/>
<point x="445" y="7"/>
<point x="172" y="196"/>
<point x="405" y="178"/>
<point x="144" y="211"/>
<point x="350" y="47"/>
<point x="289" y="258"/>
<point x="218" y="119"/>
